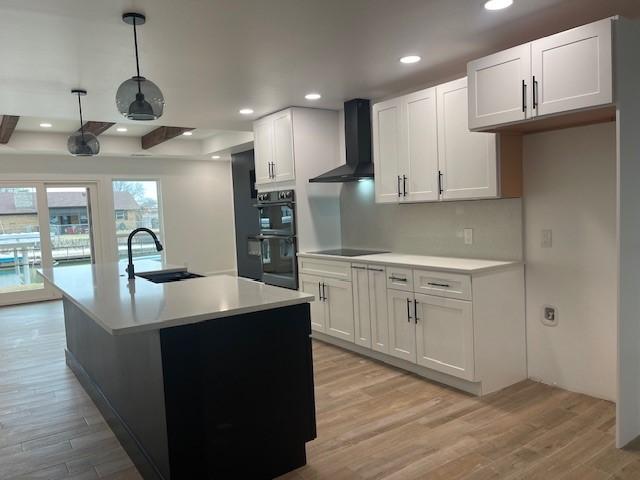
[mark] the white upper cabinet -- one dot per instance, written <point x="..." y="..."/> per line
<point x="467" y="160"/>
<point x="387" y="139"/>
<point x="565" y="72"/>
<point x="419" y="167"/>
<point x="499" y="88"/>
<point x="263" y="149"/>
<point x="573" y="69"/>
<point x="424" y="151"/>
<point x="273" y="147"/>
<point x="283" y="147"/>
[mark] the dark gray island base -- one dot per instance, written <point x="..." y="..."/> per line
<point x="230" y="397"/>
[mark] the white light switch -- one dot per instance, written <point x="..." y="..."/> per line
<point x="546" y="239"/>
<point x="468" y="236"/>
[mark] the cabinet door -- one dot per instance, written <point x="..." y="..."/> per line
<point x="573" y="69"/>
<point x="467" y="159"/>
<point x="387" y="142"/>
<point x="339" y="310"/>
<point x="420" y="164"/>
<point x="283" y="146"/>
<point x="499" y="88"/>
<point x="263" y="149"/>
<point x="444" y="335"/>
<point x="402" y="329"/>
<point x="378" y="308"/>
<point x="312" y="285"/>
<point x="361" y="308"/>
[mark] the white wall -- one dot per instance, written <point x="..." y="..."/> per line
<point x="197" y="201"/>
<point x="570" y="188"/>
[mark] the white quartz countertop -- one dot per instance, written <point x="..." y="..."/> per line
<point x="446" y="264"/>
<point x="121" y="306"/>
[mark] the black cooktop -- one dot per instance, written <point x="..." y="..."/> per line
<point x="348" y="252"/>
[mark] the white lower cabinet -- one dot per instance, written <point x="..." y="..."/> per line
<point x="444" y="335"/>
<point x="332" y="311"/>
<point x="402" y="329"/>
<point x="370" y="307"/>
<point x="458" y="328"/>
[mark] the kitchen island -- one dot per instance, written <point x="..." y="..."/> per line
<point x="204" y="378"/>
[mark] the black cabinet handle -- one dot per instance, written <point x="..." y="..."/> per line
<point x="535" y="93"/>
<point x="358" y="268"/>
<point x="398" y="279"/>
<point x="440" y="182"/>
<point x="404" y="185"/>
<point x="435" y="284"/>
<point x="409" y="318"/>
<point x="375" y="269"/>
<point x="399" y="194"/>
<point x="415" y="311"/>
<point x="524" y="97"/>
<point x="324" y="294"/>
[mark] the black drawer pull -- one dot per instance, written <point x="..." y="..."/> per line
<point x="375" y="269"/>
<point x="445" y="285"/>
<point x="397" y="279"/>
<point x="358" y="268"/>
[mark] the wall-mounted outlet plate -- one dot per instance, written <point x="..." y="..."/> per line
<point x="546" y="238"/>
<point x="468" y="236"/>
<point x="550" y="315"/>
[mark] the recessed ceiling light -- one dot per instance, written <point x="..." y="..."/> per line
<point x="46" y="125"/>
<point x="410" y="59"/>
<point x="215" y="157"/>
<point x="246" y="111"/>
<point x="313" y="96"/>
<point x="187" y="134"/>
<point x="497" y="4"/>
<point x="121" y="129"/>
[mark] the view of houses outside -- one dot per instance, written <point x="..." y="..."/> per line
<point x="135" y="205"/>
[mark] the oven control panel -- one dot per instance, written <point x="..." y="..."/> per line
<point x="277" y="196"/>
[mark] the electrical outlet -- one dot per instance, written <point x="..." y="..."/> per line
<point x="550" y="315"/>
<point x="468" y="236"/>
<point x="546" y="240"/>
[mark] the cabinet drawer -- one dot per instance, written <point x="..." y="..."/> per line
<point x="325" y="268"/>
<point x="442" y="284"/>
<point x="399" y="278"/>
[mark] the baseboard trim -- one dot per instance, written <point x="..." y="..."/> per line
<point x="134" y="449"/>
<point x="474" y="388"/>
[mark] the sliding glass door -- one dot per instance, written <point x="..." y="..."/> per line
<point x="42" y="225"/>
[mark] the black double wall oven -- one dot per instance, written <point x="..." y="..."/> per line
<point x="277" y="237"/>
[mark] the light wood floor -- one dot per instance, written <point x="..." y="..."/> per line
<point x="373" y="421"/>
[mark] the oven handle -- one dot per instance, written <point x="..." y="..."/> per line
<point x="284" y="237"/>
<point x="274" y="204"/>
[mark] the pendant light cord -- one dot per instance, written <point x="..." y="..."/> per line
<point x="135" y="42"/>
<point x="81" y="122"/>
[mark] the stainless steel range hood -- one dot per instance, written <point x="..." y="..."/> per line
<point x="357" y="134"/>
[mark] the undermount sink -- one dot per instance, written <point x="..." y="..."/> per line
<point x="166" y="277"/>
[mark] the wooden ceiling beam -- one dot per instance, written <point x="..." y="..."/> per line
<point x="97" y="127"/>
<point x="162" y="134"/>
<point x="7" y="126"/>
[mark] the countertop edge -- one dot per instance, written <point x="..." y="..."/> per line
<point x="366" y="259"/>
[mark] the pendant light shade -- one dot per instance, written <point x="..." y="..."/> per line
<point x="81" y="143"/>
<point x="138" y="98"/>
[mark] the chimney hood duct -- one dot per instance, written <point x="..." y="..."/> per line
<point x="357" y="135"/>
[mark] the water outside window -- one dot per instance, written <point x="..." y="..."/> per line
<point x="136" y="204"/>
<point x="20" y="252"/>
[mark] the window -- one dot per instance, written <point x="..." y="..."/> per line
<point x="137" y="204"/>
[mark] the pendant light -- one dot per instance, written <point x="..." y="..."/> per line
<point x="138" y="98"/>
<point x="81" y="143"/>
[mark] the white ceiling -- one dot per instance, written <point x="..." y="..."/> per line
<point x="213" y="57"/>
